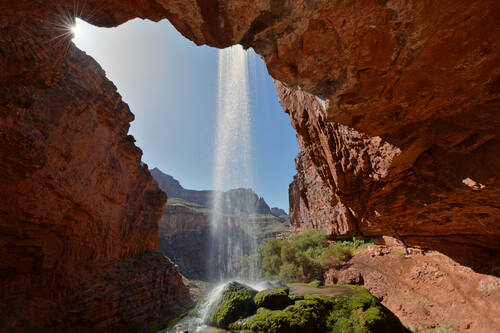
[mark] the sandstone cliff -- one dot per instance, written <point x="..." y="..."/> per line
<point x="278" y="212"/>
<point x="78" y="210"/>
<point x="349" y="183"/>
<point x="415" y="86"/>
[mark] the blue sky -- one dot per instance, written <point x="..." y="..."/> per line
<point x="170" y="85"/>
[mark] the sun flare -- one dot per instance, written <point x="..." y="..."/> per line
<point x="74" y="30"/>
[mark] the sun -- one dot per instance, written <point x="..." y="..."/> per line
<point x="75" y="30"/>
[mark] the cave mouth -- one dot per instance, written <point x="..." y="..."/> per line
<point x="170" y="85"/>
<point x="209" y="118"/>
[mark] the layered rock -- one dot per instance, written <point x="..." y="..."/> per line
<point x="185" y="238"/>
<point x="349" y="183"/>
<point x="278" y="212"/>
<point x="131" y="295"/>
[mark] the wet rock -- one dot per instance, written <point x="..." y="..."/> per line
<point x="236" y="302"/>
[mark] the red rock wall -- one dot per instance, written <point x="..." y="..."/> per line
<point x="75" y="201"/>
<point x="349" y="184"/>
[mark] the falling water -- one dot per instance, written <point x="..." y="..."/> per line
<point x="231" y="222"/>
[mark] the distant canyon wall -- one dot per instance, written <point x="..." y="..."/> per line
<point x="419" y="77"/>
<point x="184" y="228"/>
<point x="233" y="201"/>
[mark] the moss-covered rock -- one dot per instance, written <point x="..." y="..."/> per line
<point x="236" y="302"/>
<point x="357" y="312"/>
<point x="305" y="316"/>
<point x="362" y="312"/>
<point x="273" y="299"/>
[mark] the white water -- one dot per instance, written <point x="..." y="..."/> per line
<point x="232" y="238"/>
<point x="231" y="224"/>
<point x="199" y="323"/>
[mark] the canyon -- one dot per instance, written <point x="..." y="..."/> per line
<point x="395" y="104"/>
<point x="184" y="228"/>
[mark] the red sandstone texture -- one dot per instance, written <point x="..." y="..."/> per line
<point x="349" y="183"/>
<point x="425" y="289"/>
<point x="415" y="85"/>
<point x="76" y="204"/>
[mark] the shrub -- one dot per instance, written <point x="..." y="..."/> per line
<point x="271" y="258"/>
<point x="290" y="272"/>
<point x="334" y="255"/>
<point x="302" y="258"/>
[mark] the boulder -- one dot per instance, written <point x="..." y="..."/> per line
<point x="236" y="302"/>
<point x="273" y="299"/>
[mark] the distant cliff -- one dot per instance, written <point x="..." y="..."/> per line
<point x="234" y="200"/>
<point x="184" y="226"/>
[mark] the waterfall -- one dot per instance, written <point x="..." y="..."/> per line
<point x="232" y="224"/>
<point x="232" y="227"/>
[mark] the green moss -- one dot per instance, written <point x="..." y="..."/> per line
<point x="372" y="315"/>
<point x="361" y="312"/>
<point x="356" y="311"/>
<point x="236" y="303"/>
<point x="303" y="316"/>
<point x="273" y="299"/>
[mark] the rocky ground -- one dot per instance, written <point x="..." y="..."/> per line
<point x="425" y="288"/>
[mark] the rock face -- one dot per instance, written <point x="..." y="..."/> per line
<point x="144" y="288"/>
<point x="76" y="205"/>
<point x="351" y="184"/>
<point x="415" y="85"/>
<point x="278" y="212"/>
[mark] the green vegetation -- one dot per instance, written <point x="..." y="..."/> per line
<point x="356" y="311"/>
<point x="301" y="258"/>
<point x="273" y="299"/>
<point x="236" y="303"/>
<point x="303" y="316"/>
<point x="175" y="203"/>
